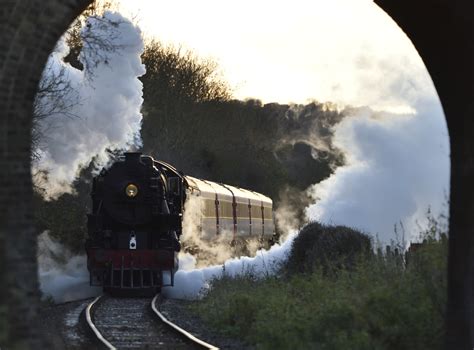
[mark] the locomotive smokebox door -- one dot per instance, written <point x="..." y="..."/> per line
<point x="133" y="241"/>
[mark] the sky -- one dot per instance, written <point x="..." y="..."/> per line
<point x="289" y="51"/>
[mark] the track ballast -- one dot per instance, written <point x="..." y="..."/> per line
<point x="131" y="323"/>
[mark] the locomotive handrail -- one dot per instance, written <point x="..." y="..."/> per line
<point x="169" y="167"/>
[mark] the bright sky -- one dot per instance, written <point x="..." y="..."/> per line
<point x="344" y="51"/>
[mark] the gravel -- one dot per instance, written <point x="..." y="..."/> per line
<point x="65" y="327"/>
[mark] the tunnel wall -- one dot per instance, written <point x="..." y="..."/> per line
<point x="443" y="33"/>
<point x="29" y="30"/>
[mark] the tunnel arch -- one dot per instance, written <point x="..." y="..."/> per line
<point x="29" y="32"/>
<point x="443" y="34"/>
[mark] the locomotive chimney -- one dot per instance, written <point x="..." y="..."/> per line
<point x="132" y="157"/>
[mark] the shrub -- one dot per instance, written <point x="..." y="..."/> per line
<point x="327" y="247"/>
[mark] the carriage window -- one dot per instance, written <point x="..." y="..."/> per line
<point x="225" y="209"/>
<point x="209" y="208"/>
<point x="268" y="213"/>
<point x="256" y="211"/>
<point x="242" y="210"/>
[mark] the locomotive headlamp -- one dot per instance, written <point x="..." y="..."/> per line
<point x="131" y="190"/>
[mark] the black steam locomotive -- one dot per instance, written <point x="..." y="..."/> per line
<point x="135" y="225"/>
<point x="136" y="221"/>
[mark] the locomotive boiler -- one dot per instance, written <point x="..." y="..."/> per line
<point x="135" y="225"/>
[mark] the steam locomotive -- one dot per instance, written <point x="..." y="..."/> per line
<point x="135" y="225"/>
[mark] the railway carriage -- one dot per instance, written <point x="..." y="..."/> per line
<point x="135" y="225"/>
<point x="231" y="211"/>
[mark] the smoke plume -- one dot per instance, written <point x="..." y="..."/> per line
<point x="207" y="249"/>
<point x="397" y="158"/>
<point x="397" y="168"/>
<point x="98" y="108"/>
<point x="62" y="275"/>
<point x="191" y="283"/>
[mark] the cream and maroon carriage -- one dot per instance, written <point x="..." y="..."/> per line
<point x="229" y="212"/>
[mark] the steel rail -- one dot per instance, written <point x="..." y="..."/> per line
<point x="94" y="328"/>
<point x="179" y="329"/>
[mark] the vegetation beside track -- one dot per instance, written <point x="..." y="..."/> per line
<point x="384" y="300"/>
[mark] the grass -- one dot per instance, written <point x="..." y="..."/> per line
<point x="378" y="303"/>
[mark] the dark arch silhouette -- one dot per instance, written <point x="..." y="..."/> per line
<point x="443" y="33"/>
<point x="441" y="30"/>
<point x="29" y="30"/>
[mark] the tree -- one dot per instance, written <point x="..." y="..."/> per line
<point x="75" y="40"/>
<point x="176" y="82"/>
<point x="175" y="76"/>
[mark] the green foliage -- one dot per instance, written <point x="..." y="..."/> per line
<point x="380" y="303"/>
<point x="325" y="247"/>
<point x="177" y="77"/>
<point x="73" y="34"/>
<point x="66" y="217"/>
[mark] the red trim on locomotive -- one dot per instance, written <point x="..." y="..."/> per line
<point x="156" y="259"/>
<point x="131" y="269"/>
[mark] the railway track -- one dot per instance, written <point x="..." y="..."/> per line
<point x="132" y="323"/>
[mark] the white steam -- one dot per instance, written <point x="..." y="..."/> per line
<point x="206" y="250"/>
<point x="62" y="275"/>
<point x="397" y="162"/>
<point x="192" y="283"/>
<point x="202" y="243"/>
<point x="99" y="107"/>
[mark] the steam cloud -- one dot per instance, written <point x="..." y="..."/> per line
<point x="397" y="168"/>
<point x="62" y="275"/>
<point x="210" y="250"/>
<point x="192" y="280"/>
<point x="191" y="283"/>
<point x="100" y="105"/>
<point x="206" y="251"/>
<point x="397" y="159"/>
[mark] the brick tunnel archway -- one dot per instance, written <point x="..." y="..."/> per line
<point x="442" y="32"/>
<point x="29" y="32"/>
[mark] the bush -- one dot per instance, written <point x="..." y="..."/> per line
<point x="327" y="247"/>
<point x="66" y="216"/>
<point x="380" y="303"/>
